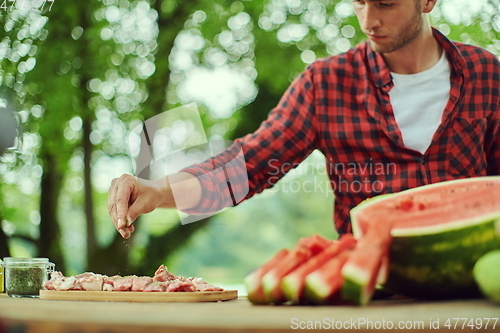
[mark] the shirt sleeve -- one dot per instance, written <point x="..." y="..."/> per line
<point x="258" y="160"/>
<point x="492" y="139"/>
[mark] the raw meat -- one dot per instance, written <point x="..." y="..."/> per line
<point x="162" y="274"/>
<point x="90" y="281"/>
<point x="124" y="284"/>
<point x="162" y="281"/>
<point x="140" y="283"/>
<point x="155" y="287"/>
<point x="181" y="286"/>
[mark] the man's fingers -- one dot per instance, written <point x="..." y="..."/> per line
<point x="127" y="185"/>
<point x="129" y="219"/>
<point x="120" y="196"/>
<point x="123" y="233"/>
<point x="111" y="201"/>
<point x="126" y="232"/>
<point x="132" y="212"/>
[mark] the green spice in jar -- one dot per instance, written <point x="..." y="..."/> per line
<point x="24" y="281"/>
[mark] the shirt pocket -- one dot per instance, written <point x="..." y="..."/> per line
<point x="466" y="147"/>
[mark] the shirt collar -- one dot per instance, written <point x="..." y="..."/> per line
<point x="382" y="74"/>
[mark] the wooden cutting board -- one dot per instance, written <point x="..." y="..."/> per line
<point x="130" y="296"/>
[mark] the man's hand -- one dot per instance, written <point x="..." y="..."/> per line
<point x="130" y="197"/>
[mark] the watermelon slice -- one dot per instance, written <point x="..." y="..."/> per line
<point x="383" y="273"/>
<point x="438" y="233"/>
<point x="315" y="243"/>
<point x="363" y="265"/>
<point x="306" y="248"/>
<point x="253" y="282"/>
<point x="272" y="279"/>
<point x="322" y="286"/>
<point x="293" y="284"/>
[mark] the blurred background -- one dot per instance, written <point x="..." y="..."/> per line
<point x="79" y="75"/>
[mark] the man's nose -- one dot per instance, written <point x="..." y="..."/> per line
<point x="369" y="18"/>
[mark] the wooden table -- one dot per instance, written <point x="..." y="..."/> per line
<point x="41" y="316"/>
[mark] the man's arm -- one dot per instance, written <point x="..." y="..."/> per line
<point x="282" y="141"/>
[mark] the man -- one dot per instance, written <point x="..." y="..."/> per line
<point x="404" y="109"/>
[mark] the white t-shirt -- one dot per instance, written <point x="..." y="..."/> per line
<point x="418" y="101"/>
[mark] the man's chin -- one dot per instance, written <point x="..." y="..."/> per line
<point x="380" y="48"/>
<point x="375" y="47"/>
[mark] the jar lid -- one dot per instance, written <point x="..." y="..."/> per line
<point x="8" y="260"/>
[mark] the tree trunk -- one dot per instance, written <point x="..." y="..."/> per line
<point x="87" y="72"/>
<point x="87" y="181"/>
<point x="49" y="244"/>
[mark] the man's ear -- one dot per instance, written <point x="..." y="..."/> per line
<point x="428" y="5"/>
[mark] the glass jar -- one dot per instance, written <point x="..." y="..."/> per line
<point x="1" y="276"/>
<point x="24" y="277"/>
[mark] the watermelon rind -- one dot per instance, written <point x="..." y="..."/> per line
<point x="293" y="284"/>
<point x="431" y="230"/>
<point x="436" y="262"/>
<point x="255" y="293"/>
<point x="315" y="290"/>
<point x="291" y="287"/>
<point x="440" y="265"/>
<point x="270" y="284"/>
<point x="253" y="281"/>
<point x="355" y="282"/>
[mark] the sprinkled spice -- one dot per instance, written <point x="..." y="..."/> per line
<point x="24" y="281"/>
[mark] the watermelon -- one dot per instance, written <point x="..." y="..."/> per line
<point x="315" y="243"/>
<point x="438" y="233"/>
<point x="365" y="264"/>
<point x="383" y="273"/>
<point x="305" y="249"/>
<point x="293" y="284"/>
<point x="253" y="281"/>
<point x="322" y="286"/>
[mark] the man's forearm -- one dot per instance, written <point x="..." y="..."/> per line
<point x="181" y="191"/>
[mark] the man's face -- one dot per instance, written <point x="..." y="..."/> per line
<point x="389" y="24"/>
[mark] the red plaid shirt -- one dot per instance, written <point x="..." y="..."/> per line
<point x="340" y="105"/>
